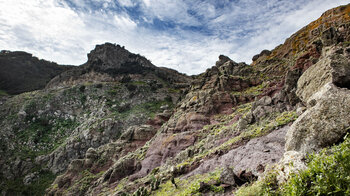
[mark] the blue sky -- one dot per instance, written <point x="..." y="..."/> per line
<point x="186" y="35"/>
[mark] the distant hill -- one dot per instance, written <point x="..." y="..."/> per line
<point x="22" y="72"/>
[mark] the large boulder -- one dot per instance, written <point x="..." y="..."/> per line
<point x="324" y="123"/>
<point x="227" y="176"/>
<point x="324" y="87"/>
<point x="333" y="67"/>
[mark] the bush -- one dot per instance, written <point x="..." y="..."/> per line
<point x="99" y="85"/>
<point x="82" y="88"/>
<point x="131" y="87"/>
<point x="328" y="173"/>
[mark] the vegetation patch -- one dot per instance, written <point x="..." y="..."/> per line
<point x="82" y="185"/>
<point x="3" y="93"/>
<point x="253" y="131"/>
<point x="16" y="187"/>
<point x="327" y="174"/>
<point x="265" y="126"/>
<point x="43" y="135"/>
<point x="191" y="186"/>
<point x="149" y="109"/>
<point x="252" y="91"/>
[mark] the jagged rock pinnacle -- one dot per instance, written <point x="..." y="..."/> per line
<point x="114" y="59"/>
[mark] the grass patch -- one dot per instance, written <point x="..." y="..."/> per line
<point x="173" y="90"/>
<point x="83" y="184"/>
<point x="150" y="109"/>
<point x="191" y="185"/>
<point x="3" y="93"/>
<point x="253" y="131"/>
<point x="38" y="187"/>
<point x="253" y="91"/>
<point x="43" y="136"/>
<point x="266" y="187"/>
<point x="266" y="126"/>
<point x="328" y="173"/>
<point x="138" y="83"/>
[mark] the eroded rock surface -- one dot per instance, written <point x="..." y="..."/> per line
<point x="251" y="156"/>
<point x="333" y="67"/>
<point x="324" y="123"/>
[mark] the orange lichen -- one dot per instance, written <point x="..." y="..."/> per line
<point x="299" y="41"/>
<point x="194" y="98"/>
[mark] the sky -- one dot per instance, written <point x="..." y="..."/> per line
<point x="186" y="35"/>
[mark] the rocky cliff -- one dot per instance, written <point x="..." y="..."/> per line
<point x="85" y="107"/>
<point x="118" y="125"/>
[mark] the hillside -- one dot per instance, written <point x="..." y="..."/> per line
<point x="119" y="125"/>
<point x="21" y="72"/>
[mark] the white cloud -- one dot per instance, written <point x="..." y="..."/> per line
<point x="124" y="22"/>
<point x="126" y="3"/>
<point x="41" y="31"/>
<point x="175" y="11"/>
<point x="57" y="32"/>
<point x="52" y="30"/>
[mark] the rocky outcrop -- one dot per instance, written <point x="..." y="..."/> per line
<point x="252" y="156"/>
<point x="262" y="53"/>
<point x="291" y="163"/>
<point x="237" y="115"/>
<point x="323" y="88"/>
<point x="83" y="108"/>
<point x="324" y="123"/>
<point x="329" y="29"/>
<point x="110" y="63"/>
<point x="114" y="59"/>
<point x="333" y="67"/>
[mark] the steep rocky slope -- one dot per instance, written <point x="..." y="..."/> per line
<point x="21" y="72"/>
<point x="118" y="125"/>
<point x="233" y="115"/>
<point x="43" y="131"/>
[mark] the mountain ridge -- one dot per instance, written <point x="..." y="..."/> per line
<point x="22" y="72"/>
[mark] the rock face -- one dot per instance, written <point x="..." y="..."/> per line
<point x="110" y="62"/>
<point x="21" y="72"/>
<point x="251" y="156"/>
<point x="324" y="123"/>
<point x="324" y="88"/>
<point x="291" y="163"/>
<point x="84" y="108"/>
<point x="114" y="59"/>
<point x="333" y="67"/>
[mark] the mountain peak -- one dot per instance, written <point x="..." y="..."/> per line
<point x="222" y="59"/>
<point x="111" y="62"/>
<point x="115" y="59"/>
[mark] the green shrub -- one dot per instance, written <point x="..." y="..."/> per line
<point x="38" y="186"/>
<point x="3" y="93"/>
<point x="328" y="173"/>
